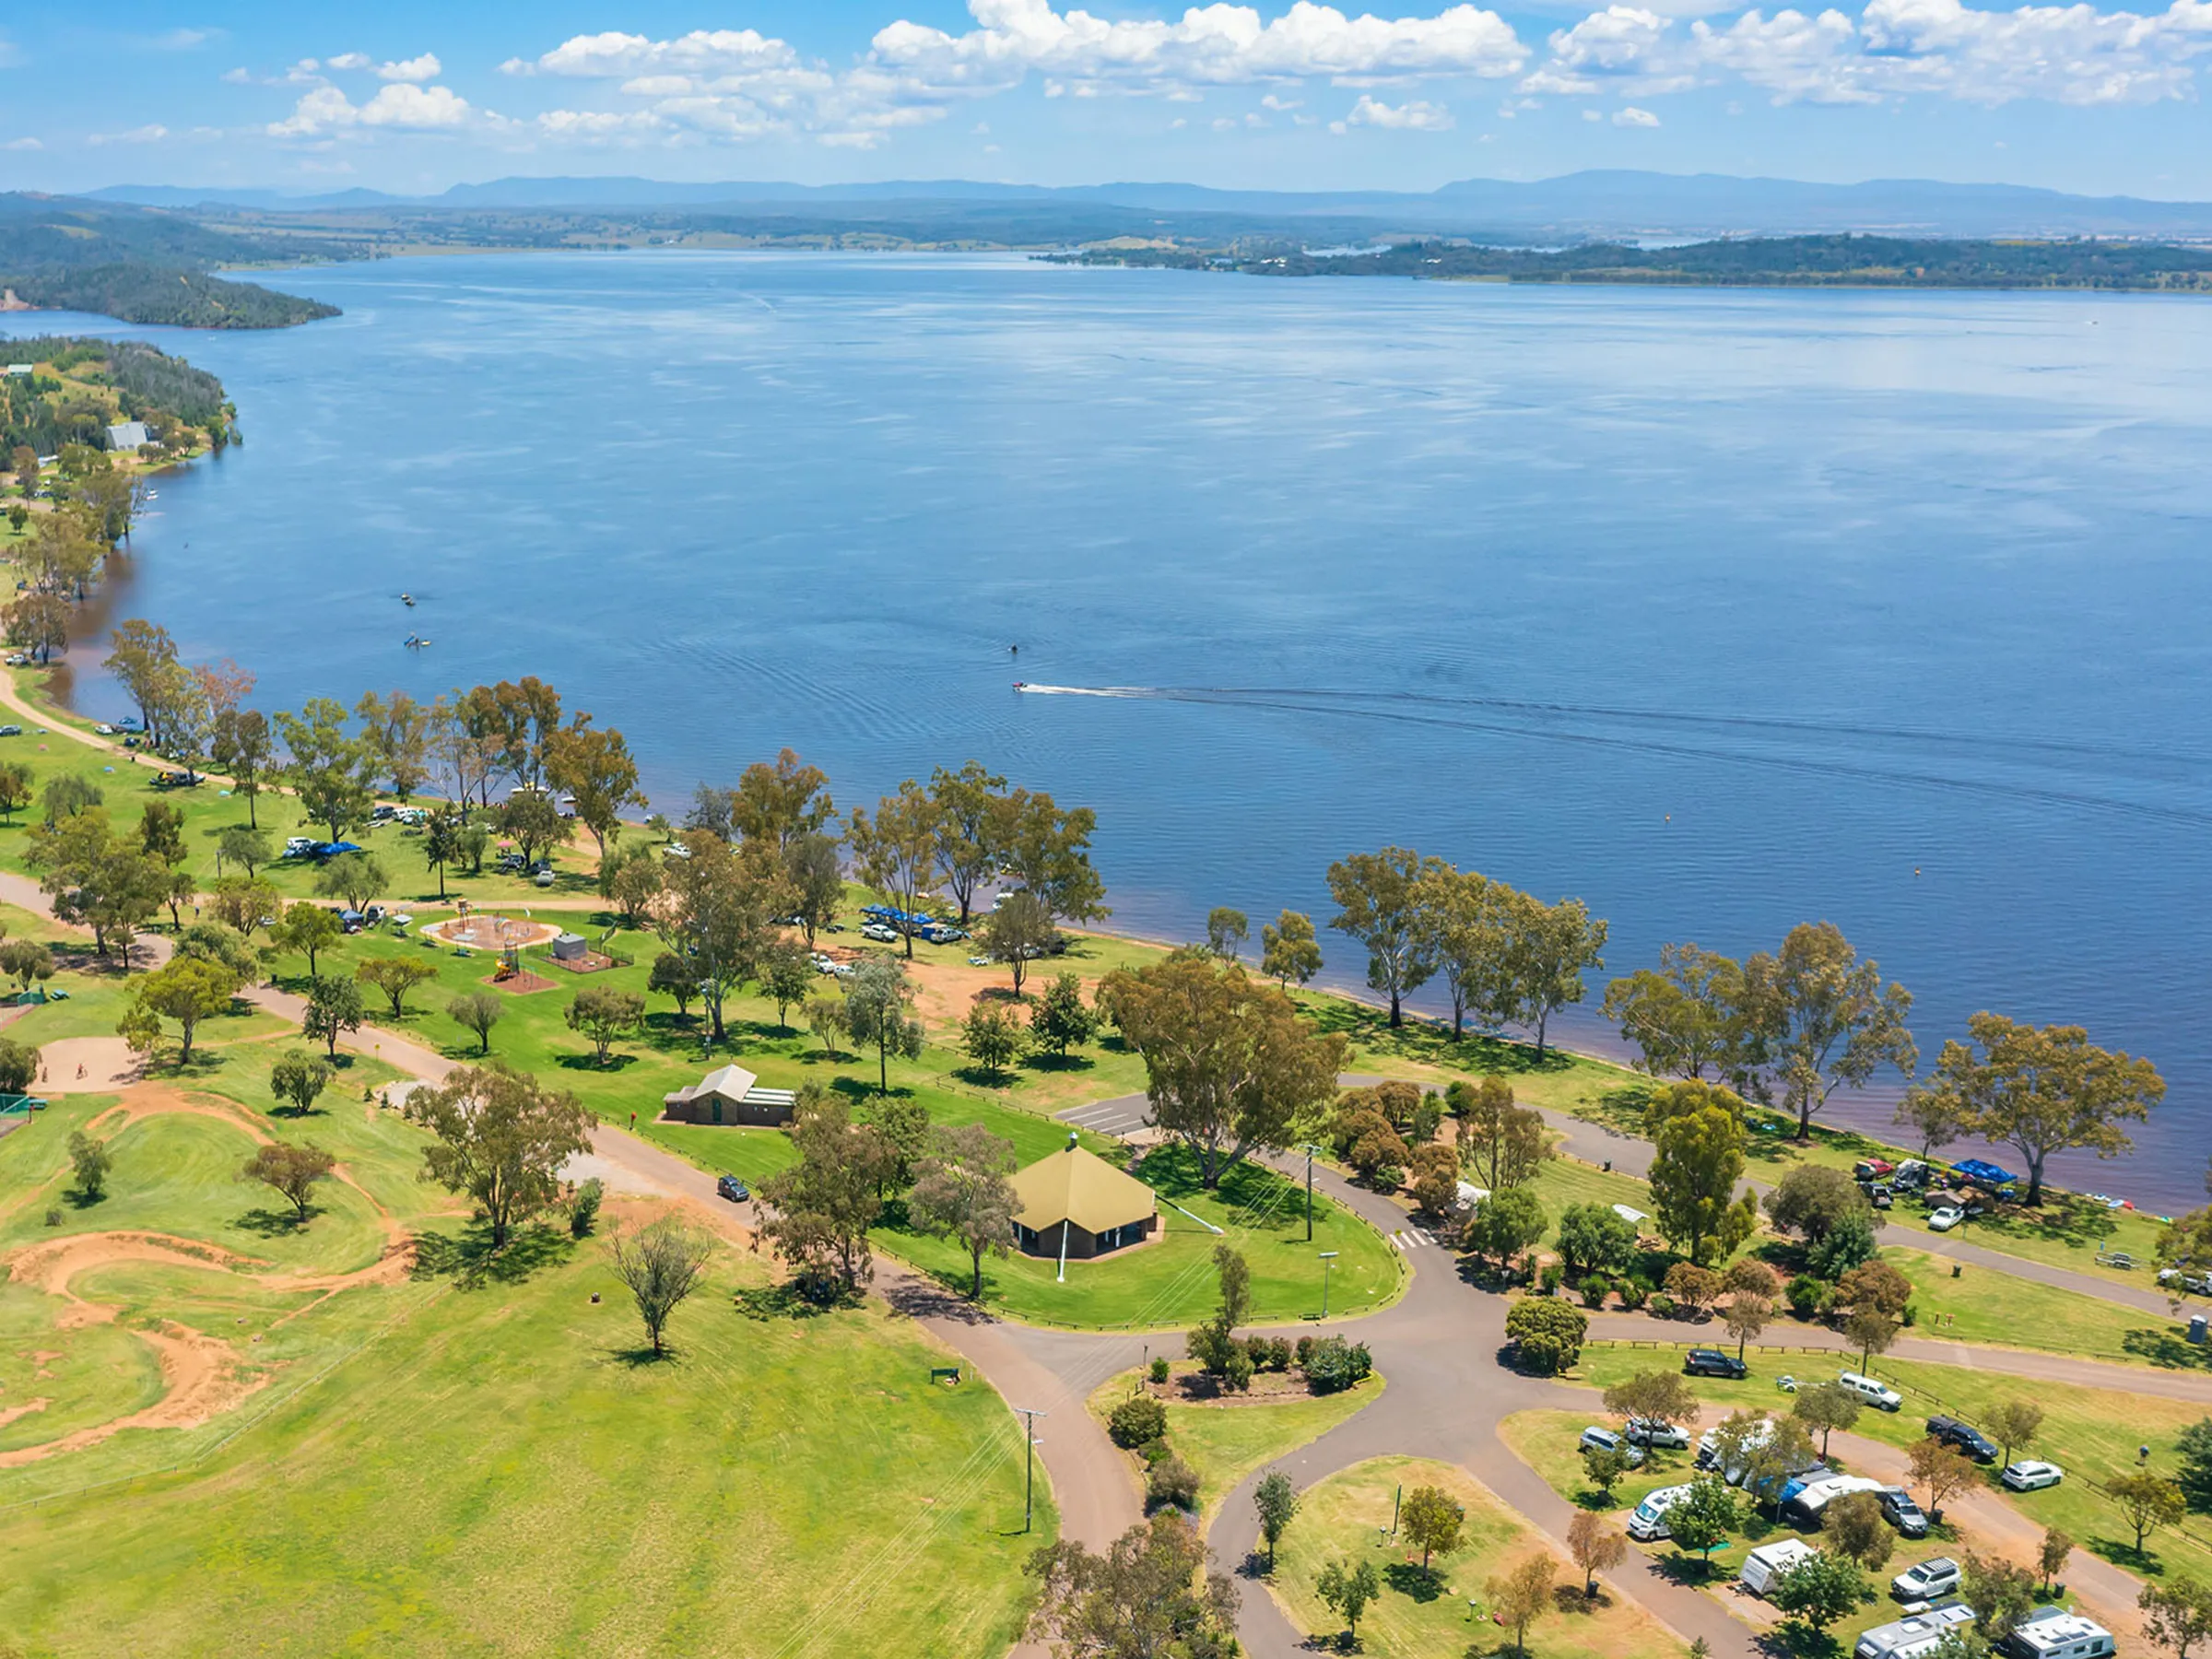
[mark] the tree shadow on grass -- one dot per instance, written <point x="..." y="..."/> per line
<point x="1679" y="1568"/>
<point x="81" y="1200"/>
<point x="2162" y="1347"/>
<point x="786" y="1300"/>
<point x="1794" y="1639"/>
<point x="275" y="1224"/>
<point x="984" y="1077"/>
<point x="1059" y="1062"/>
<point x="613" y="1064"/>
<point x="471" y="1263"/>
<point x="1411" y="1579"/>
<point x="644" y="1356"/>
<point x="1569" y="1600"/>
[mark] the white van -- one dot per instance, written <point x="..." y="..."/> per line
<point x="1769" y="1561"/>
<point x="1648" y="1523"/>
<point x="1872" y="1392"/>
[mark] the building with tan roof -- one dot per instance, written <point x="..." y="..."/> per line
<point x="1076" y="1204"/>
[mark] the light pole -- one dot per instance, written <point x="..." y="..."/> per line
<point x="1028" y="1474"/>
<point x="1327" y="1256"/>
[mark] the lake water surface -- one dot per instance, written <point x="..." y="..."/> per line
<point x="1721" y="610"/>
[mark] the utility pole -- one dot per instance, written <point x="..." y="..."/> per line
<point x="1028" y="1478"/>
<point x="1328" y="1259"/>
<point x="1309" y="1149"/>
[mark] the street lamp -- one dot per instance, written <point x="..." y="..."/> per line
<point x="1327" y="1256"/>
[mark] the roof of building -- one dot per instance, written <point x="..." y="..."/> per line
<point x="128" y="434"/>
<point x="731" y="1082"/>
<point x="1075" y="1185"/>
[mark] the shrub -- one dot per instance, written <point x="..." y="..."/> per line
<point x="1159" y="1370"/>
<point x="1595" y="1289"/>
<point x="1304" y="1351"/>
<point x="1269" y="1353"/>
<point x="1633" y="1293"/>
<point x="584" y="1209"/>
<point x="1805" y="1295"/>
<point x="1911" y="1315"/>
<point x="1154" y="1452"/>
<point x="1334" y="1365"/>
<point x="1171" y="1482"/>
<point x="1136" y="1421"/>
<point x="1549" y="1280"/>
<point x="1237" y="1373"/>
<point x="1664" y="1306"/>
<point x="1548" y="1336"/>
<point x="54" y="1218"/>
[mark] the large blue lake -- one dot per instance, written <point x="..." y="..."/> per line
<point x="1722" y="610"/>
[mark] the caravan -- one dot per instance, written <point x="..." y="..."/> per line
<point x="2054" y="1633"/>
<point x="1803" y="1508"/>
<point x="1911" y="1637"/>
<point x="1648" y="1523"/>
<point x="1769" y="1561"/>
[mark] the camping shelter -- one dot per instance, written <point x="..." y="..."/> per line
<point x="1076" y="1204"/>
<point x="729" y="1095"/>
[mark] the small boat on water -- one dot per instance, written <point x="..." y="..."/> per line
<point x="1021" y="685"/>
<point x="415" y="641"/>
<point x="408" y="600"/>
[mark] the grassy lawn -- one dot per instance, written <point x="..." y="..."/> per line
<point x="1227" y="1441"/>
<point x="431" y="1463"/>
<point x="1982" y="1306"/>
<point x="504" y="1460"/>
<point x="1544" y="1440"/>
<point x="1425" y="1615"/>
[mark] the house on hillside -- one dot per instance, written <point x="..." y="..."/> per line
<point x="1075" y="1204"/>
<point x="129" y="435"/>
<point x="729" y="1095"/>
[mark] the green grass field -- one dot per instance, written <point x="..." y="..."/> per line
<point x="1546" y="1441"/>
<point x="461" y="1464"/>
<point x="1425" y="1615"/>
<point x="1227" y="1441"/>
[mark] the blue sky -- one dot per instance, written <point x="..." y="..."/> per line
<point x="411" y="96"/>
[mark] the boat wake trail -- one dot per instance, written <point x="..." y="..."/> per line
<point x="1861" y="753"/>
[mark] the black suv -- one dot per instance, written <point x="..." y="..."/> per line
<point x="1969" y="1439"/>
<point x="1901" y="1512"/>
<point x="1711" y="1362"/>
<point x="729" y="1187"/>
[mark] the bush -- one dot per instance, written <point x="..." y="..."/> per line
<point x="1849" y="1244"/>
<point x="1154" y="1452"/>
<point x="1159" y="1370"/>
<point x="1549" y="1280"/>
<point x="1334" y="1365"/>
<point x="1805" y="1295"/>
<point x="1173" y="1482"/>
<point x="1664" y="1306"/>
<point x="1595" y="1289"/>
<point x="1237" y="1373"/>
<point x="1548" y="1336"/>
<point x="54" y="1218"/>
<point x="1304" y="1351"/>
<point x="584" y="1209"/>
<point x="1268" y="1353"/>
<point x="1633" y="1293"/>
<point x="1911" y="1316"/>
<point x="1138" y="1419"/>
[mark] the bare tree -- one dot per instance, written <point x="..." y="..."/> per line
<point x="661" y="1265"/>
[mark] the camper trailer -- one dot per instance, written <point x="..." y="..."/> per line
<point x="2054" y="1633"/>
<point x="1803" y="1508"/>
<point x="1769" y="1561"/>
<point x="1911" y="1638"/>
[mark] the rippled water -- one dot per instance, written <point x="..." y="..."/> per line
<point x="1722" y="610"/>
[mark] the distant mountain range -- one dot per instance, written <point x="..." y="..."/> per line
<point x="1582" y="204"/>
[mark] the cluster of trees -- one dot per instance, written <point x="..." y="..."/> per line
<point x="93" y="504"/>
<point x="1058" y="1021"/>
<point x="953" y="1183"/>
<point x="109" y="880"/>
<point x="1506" y="959"/>
<point x="62" y="403"/>
<point x="1791" y="1026"/>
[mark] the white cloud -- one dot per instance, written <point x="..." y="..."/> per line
<point x="401" y="106"/>
<point x="144" y="134"/>
<point x="22" y="144"/>
<point x="1413" y="116"/>
<point x="1280" y="105"/>
<point x="418" y="69"/>
<point x="614" y="55"/>
<point x="1214" y="45"/>
<point x="1633" y="116"/>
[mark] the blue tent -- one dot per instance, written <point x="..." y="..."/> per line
<point x="1983" y="1172"/>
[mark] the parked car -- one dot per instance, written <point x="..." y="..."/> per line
<point x="2198" y="1284"/>
<point x="104" y="729"/>
<point x="1968" y="1439"/>
<point x="1873" y="1169"/>
<point x="1712" y="1362"/>
<point x="1878" y="1195"/>
<point x="734" y="1190"/>
<point x="881" y="934"/>
<point x="374" y="914"/>
<point x="1927" y="1580"/>
<point x="1944" y="1219"/>
<point x="11" y="731"/>
<point x="1669" y="1437"/>
<point x="2031" y="1474"/>
<point x="1604" y="1440"/>
<point x="1901" y="1512"/>
<point x="1871" y="1391"/>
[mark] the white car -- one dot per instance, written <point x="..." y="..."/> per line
<point x="1927" y="1581"/>
<point x="105" y="730"/>
<point x="2030" y="1476"/>
<point x="1671" y="1437"/>
<point x="1944" y="1219"/>
<point x="879" y="934"/>
<point x="1604" y="1440"/>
